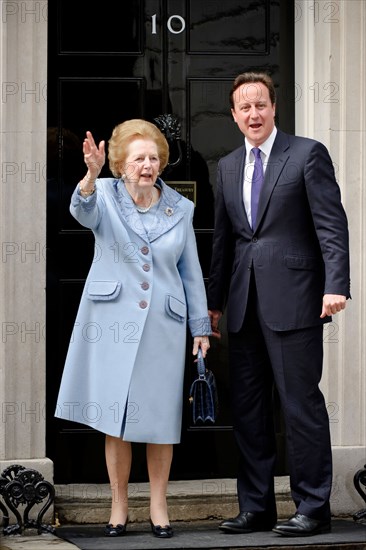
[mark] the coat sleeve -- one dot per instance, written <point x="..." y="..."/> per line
<point x="329" y="219"/>
<point x="222" y="251"/>
<point x="191" y="274"/>
<point x="88" y="211"/>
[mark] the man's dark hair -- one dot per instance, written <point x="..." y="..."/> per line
<point x="253" y="77"/>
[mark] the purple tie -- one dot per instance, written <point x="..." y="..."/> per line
<point x="257" y="181"/>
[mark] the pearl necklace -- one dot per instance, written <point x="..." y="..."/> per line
<point x="144" y="210"/>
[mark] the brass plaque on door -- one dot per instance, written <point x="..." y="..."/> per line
<point x="185" y="188"/>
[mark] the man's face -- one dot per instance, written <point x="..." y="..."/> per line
<point x="253" y="112"/>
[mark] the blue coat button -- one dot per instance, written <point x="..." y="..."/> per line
<point x="145" y="285"/>
<point x="144" y="250"/>
<point x="143" y="304"/>
<point x="146" y="267"/>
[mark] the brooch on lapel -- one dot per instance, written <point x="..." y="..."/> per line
<point x="169" y="211"/>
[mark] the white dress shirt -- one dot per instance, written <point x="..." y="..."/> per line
<point x="265" y="148"/>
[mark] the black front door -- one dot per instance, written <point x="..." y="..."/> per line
<point x="146" y="59"/>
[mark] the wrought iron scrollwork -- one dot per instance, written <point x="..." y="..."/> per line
<point x="27" y="487"/>
<point x="359" y="481"/>
<point x="170" y="126"/>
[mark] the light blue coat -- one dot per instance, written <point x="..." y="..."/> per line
<point x="125" y="363"/>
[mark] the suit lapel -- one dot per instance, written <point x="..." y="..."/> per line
<point x="237" y="187"/>
<point x="276" y="163"/>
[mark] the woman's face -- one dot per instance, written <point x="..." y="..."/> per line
<point x="142" y="163"/>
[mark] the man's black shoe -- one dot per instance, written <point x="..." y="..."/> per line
<point x="247" y="522"/>
<point x="302" y="526"/>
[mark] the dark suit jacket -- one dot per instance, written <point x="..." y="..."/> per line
<point x="299" y="248"/>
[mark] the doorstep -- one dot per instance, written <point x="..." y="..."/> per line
<point x="196" y="500"/>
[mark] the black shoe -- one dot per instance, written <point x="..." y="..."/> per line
<point x="164" y="532"/>
<point x="115" y="530"/>
<point x="302" y="526"/>
<point x="247" y="522"/>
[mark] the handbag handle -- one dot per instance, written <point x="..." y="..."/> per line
<point x="201" y="367"/>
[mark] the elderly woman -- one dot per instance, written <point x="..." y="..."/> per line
<point x="125" y="364"/>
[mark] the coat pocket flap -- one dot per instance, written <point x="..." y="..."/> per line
<point x="103" y="290"/>
<point x="175" y="308"/>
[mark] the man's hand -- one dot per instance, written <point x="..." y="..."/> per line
<point x="332" y="303"/>
<point x="215" y="316"/>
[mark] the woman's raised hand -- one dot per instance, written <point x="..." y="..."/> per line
<point x="94" y="156"/>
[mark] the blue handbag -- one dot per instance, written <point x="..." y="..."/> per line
<point x="203" y="395"/>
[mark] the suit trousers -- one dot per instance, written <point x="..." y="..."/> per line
<point x="292" y="360"/>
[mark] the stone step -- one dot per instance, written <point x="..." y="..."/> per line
<point x="196" y="500"/>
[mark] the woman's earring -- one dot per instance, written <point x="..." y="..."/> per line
<point x="123" y="176"/>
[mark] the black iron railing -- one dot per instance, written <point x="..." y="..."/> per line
<point x="23" y="488"/>
<point x="359" y="480"/>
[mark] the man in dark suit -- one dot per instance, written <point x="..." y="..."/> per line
<point x="280" y="264"/>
